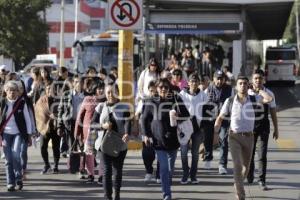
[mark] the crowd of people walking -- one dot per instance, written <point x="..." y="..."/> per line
<point x="178" y="108"/>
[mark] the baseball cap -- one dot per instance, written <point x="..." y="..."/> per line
<point x="3" y="67"/>
<point x="194" y="77"/>
<point x="219" y="74"/>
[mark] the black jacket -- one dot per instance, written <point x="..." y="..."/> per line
<point x="19" y="116"/>
<point x="155" y="121"/>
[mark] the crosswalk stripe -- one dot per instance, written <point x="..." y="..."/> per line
<point x="286" y="143"/>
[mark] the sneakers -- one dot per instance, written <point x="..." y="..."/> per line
<point x="184" y="181"/>
<point x="20" y="185"/>
<point x="222" y="170"/>
<point x="81" y="175"/>
<point x="55" y="170"/>
<point x="10" y="188"/>
<point x="250" y="180"/>
<point x="167" y="197"/>
<point x="100" y="180"/>
<point x="64" y="154"/>
<point x="90" y="179"/>
<point x="194" y="181"/>
<point x="207" y="164"/>
<point x="158" y="181"/>
<point x="148" y="178"/>
<point x="263" y="185"/>
<point x="46" y="169"/>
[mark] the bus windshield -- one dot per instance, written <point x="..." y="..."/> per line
<point x="281" y="55"/>
<point x="98" y="54"/>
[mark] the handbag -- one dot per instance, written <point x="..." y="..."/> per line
<point x="73" y="163"/>
<point x="185" y="131"/>
<point x="112" y="144"/>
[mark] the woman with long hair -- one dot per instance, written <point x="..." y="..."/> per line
<point x="151" y="73"/>
<point x="83" y="121"/>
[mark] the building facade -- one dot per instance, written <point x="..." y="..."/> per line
<point x="91" y="19"/>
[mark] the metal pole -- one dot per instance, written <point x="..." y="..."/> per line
<point x="147" y="37"/>
<point x="244" y="42"/>
<point x="76" y="20"/>
<point x="62" y="26"/>
<point x="297" y="28"/>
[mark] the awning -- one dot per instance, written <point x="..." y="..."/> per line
<point x="267" y="19"/>
<point x="194" y="28"/>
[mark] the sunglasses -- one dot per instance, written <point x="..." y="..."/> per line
<point x="164" y="86"/>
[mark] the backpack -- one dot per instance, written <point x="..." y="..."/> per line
<point x="230" y="101"/>
<point x="260" y="124"/>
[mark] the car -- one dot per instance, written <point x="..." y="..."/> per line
<point x="41" y="63"/>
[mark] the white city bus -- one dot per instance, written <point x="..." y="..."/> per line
<point x="101" y="51"/>
<point x="281" y="64"/>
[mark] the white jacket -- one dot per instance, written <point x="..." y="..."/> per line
<point x="194" y="103"/>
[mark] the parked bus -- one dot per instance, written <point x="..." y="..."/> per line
<point x="101" y="51"/>
<point x="281" y="64"/>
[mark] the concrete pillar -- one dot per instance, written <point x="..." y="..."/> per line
<point x="244" y="40"/>
<point x="125" y="67"/>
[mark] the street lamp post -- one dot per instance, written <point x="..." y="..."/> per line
<point x="62" y="27"/>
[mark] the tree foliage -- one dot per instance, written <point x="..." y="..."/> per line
<point x="23" y="30"/>
<point x="290" y="33"/>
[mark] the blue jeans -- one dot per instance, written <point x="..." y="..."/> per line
<point x="197" y="139"/>
<point x="12" y="151"/>
<point x="24" y="156"/>
<point x="166" y="161"/>
<point x="223" y="141"/>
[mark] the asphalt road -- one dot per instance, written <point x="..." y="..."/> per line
<point x="282" y="178"/>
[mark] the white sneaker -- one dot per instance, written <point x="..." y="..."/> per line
<point x="158" y="181"/>
<point x="222" y="170"/>
<point x="207" y="165"/>
<point x="148" y="178"/>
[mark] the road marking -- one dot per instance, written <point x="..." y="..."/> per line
<point x="286" y="143"/>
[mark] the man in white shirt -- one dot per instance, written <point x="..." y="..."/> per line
<point x="262" y="129"/>
<point x="240" y="110"/>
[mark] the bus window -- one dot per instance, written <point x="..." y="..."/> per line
<point x="281" y="55"/>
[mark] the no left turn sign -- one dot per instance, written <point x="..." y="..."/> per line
<point x="125" y="14"/>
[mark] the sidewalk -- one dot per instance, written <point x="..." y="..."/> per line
<point x="283" y="180"/>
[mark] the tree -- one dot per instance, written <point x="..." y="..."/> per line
<point x="290" y="33"/>
<point x="23" y="31"/>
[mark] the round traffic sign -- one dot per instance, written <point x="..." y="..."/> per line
<point x="125" y="13"/>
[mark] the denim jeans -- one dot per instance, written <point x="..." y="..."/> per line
<point x="12" y="151"/>
<point x="166" y="161"/>
<point x="196" y="139"/>
<point x="24" y="155"/>
<point x="223" y="141"/>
